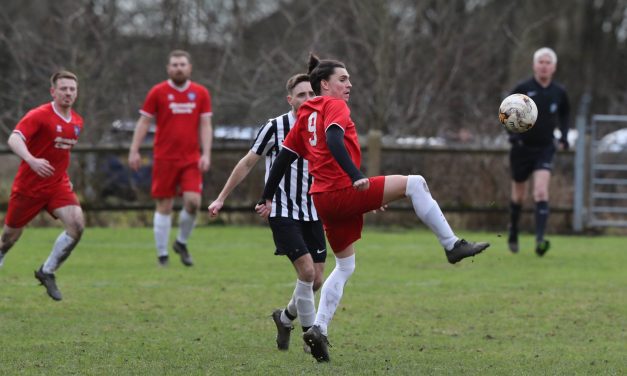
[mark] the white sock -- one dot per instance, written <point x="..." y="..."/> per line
<point x="61" y="250"/>
<point x="291" y="309"/>
<point x="428" y="210"/>
<point x="305" y="304"/>
<point x="186" y="225"/>
<point x="332" y="290"/>
<point x="161" y="227"/>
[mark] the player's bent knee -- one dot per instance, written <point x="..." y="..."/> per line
<point x="75" y="230"/>
<point x="416" y="184"/>
<point x="192" y="207"/>
<point x="541" y="196"/>
<point x="307" y="273"/>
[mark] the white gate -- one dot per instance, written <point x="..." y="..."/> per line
<point x="607" y="178"/>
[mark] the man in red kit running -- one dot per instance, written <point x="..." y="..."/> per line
<point x="325" y="135"/>
<point x="182" y="112"/>
<point x="43" y="139"/>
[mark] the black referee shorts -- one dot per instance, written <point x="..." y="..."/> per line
<point x="295" y="238"/>
<point x="524" y="160"/>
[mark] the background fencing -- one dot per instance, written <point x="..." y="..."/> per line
<point x="471" y="183"/>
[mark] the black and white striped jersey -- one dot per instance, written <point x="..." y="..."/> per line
<point x="291" y="199"/>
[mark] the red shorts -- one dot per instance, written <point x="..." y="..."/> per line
<point x="342" y="211"/>
<point x="171" y="178"/>
<point x="22" y="209"/>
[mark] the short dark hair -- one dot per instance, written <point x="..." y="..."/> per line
<point x="295" y="80"/>
<point x="321" y="70"/>
<point x="62" y="74"/>
<point x="180" y="53"/>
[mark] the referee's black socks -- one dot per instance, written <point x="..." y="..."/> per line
<point x="542" y="216"/>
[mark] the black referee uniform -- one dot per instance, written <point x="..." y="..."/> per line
<point x="534" y="149"/>
<point x="295" y="225"/>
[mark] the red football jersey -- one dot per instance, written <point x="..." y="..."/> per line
<point x="177" y="113"/>
<point x="308" y="139"/>
<point x="50" y="136"/>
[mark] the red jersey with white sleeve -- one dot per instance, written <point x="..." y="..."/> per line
<point x="308" y="140"/>
<point x="50" y="136"/>
<point x="177" y="112"/>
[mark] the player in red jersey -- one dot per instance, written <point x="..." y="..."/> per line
<point x="43" y="139"/>
<point x="181" y="110"/>
<point x="326" y="136"/>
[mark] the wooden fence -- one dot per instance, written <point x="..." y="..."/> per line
<point x="471" y="183"/>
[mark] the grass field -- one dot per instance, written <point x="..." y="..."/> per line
<point x="404" y="311"/>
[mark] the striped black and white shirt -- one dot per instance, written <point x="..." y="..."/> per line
<point x="291" y="199"/>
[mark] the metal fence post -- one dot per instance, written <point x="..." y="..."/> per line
<point x="580" y="163"/>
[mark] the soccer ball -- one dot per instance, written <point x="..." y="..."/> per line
<point x="518" y="113"/>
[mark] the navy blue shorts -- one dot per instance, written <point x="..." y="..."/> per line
<point x="297" y="238"/>
<point x="524" y="160"/>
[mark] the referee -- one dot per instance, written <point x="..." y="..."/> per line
<point x="532" y="152"/>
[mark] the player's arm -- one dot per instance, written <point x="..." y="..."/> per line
<point x="141" y="129"/>
<point x="280" y="166"/>
<point x="335" y="142"/>
<point x="41" y="166"/>
<point x="206" y="140"/>
<point x="239" y="173"/>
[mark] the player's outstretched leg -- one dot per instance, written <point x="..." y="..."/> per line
<point x="48" y="281"/>
<point x="463" y="249"/>
<point x="429" y="212"/>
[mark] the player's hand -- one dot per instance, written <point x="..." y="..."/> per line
<point x="134" y="160"/>
<point x="361" y="184"/>
<point x="42" y="167"/>
<point x="214" y="208"/>
<point x="204" y="163"/>
<point x="381" y="209"/>
<point x="264" y="208"/>
<point x="563" y="145"/>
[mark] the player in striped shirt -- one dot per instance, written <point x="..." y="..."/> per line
<point x="296" y="228"/>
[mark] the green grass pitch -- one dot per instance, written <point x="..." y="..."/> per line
<point x="404" y="311"/>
